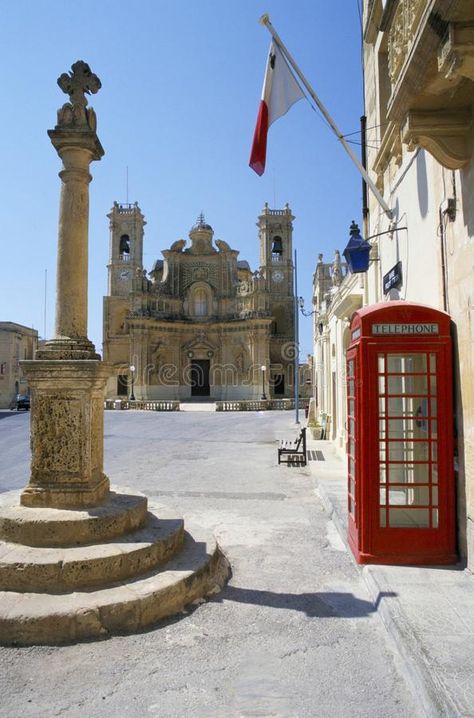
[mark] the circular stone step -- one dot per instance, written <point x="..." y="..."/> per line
<point x="55" y="570"/>
<point x="33" y="618"/>
<point x="124" y="511"/>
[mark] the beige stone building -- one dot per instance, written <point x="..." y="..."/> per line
<point x="16" y="343"/>
<point x="419" y="97"/>
<point x="200" y="323"/>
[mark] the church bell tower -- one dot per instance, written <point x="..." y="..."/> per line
<point x="276" y="260"/>
<point x="275" y="234"/>
<point x="126" y="247"/>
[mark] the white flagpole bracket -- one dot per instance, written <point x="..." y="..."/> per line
<point x="265" y="20"/>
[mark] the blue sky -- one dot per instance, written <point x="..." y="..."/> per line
<point x="181" y="82"/>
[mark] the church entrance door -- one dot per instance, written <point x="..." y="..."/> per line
<point x="200" y="377"/>
<point x="279" y="384"/>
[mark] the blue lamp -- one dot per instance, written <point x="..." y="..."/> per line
<point x="357" y="251"/>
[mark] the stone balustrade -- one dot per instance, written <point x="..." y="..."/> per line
<point x="260" y="405"/>
<point x="161" y="405"/>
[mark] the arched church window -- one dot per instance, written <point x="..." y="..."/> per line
<point x="124" y="247"/>
<point x="200" y="299"/>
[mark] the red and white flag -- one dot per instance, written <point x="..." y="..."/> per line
<point x="280" y="92"/>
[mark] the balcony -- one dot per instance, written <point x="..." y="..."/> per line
<point x="428" y="46"/>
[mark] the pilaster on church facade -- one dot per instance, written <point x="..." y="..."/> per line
<point x="200" y="323"/>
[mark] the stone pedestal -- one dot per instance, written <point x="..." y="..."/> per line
<point x="67" y="417"/>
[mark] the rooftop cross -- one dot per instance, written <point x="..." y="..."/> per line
<point x="78" y="82"/>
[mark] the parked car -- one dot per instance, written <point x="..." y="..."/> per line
<point x="22" y="402"/>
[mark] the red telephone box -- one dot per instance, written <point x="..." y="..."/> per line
<point x="400" y="435"/>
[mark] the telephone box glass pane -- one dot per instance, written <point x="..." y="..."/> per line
<point x="408" y="451"/>
<point x="408" y="473"/>
<point x="409" y="518"/>
<point x="404" y="496"/>
<point x="400" y="406"/>
<point x="400" y="428"/>
<point x="406" y="363"/>
<point x="411" y="384"/>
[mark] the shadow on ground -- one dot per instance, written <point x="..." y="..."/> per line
<point x="315" y="605"/>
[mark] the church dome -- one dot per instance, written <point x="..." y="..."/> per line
<point x="201" y="224"/>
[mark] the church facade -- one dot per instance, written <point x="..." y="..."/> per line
<point x="200" y="323"/>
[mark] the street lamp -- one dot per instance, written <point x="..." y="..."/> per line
<point x="264" y="369"/>
<point x="303" y="310"/>
<point x="357" y="252"/>
<point x="132" y="371"/>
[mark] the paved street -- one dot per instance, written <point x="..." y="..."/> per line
<point x="294" y="634"/>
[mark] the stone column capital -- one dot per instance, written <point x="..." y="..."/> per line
<point x="76" y="145"/>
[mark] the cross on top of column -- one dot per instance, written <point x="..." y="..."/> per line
<point x="78" y="82"/>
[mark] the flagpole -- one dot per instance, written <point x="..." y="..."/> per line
<point x="297" y="344"/>
<point x="265" y="20"/>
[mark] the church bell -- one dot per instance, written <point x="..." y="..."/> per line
<point x="277" y="247"/>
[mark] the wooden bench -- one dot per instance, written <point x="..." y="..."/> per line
<point x="295" y="450"/>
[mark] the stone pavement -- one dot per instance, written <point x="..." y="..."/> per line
<point x="294" y="634"/>
<point x="428" y="611"/>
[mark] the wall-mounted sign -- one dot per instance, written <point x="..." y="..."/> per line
<point x="393" y="278"/>
<point x="417" y="329"/>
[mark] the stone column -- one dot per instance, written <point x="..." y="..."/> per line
<point x="67" y="378"/>
<point x="76" y="142"/>
<point x="77" y="150"/>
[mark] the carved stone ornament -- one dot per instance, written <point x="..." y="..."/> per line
<point x="445" y="134"/>
<point x="77" y="84"/>
<point x="336" y="270"/>
<point x="402" y="32"/>
<point x="456" y="55"/>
